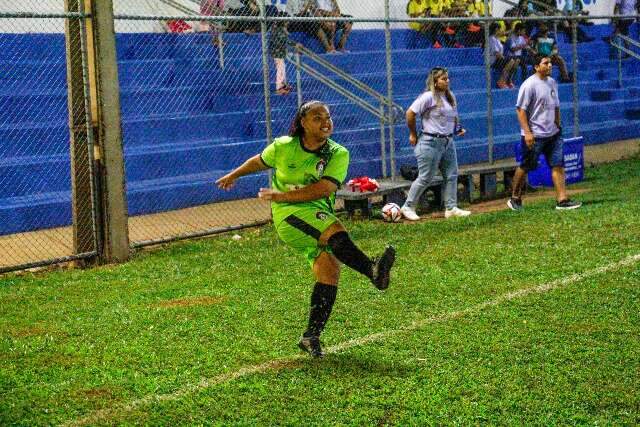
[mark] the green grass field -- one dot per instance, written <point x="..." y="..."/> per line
<point x="205" y="332"/>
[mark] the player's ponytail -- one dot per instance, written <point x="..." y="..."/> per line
<point x="296" y="128"/>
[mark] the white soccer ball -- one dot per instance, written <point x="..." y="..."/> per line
<point x="391" y="212"/>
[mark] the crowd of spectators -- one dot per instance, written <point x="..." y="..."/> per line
<point x="325" y="31"/>
<point x="512" y="44"/>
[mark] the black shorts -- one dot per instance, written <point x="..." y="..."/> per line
<point x="550" y="146"/>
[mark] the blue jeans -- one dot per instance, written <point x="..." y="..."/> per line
<point x="433" y="154"/>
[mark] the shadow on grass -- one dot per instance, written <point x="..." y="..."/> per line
<point x="352" y="365"/>
<point x="602" y="201"/>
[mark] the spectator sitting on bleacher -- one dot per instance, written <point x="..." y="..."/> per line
<point x="517" y="48"/>
<point x="506" y="66"/>
<point x="546" y="45"/>
<point x="422" y="9"/>
<point x="475" y="35"/>
<point x="330" y="8"/>
<point x="521" y="10"/>
<point x="436" y="10"/>
<point x="565" y="26"/>
<point x="306" y="8"/>
<point x="453" y="33"/>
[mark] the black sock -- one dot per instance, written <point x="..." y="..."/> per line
<point x="322" y="300"/>
<point x="349" y="254"/>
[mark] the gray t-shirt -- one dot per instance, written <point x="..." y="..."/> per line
<point x="539" y="98"/>
<point x="435" y="118"/>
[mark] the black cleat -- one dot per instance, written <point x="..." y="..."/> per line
<point x="515" y="204"/>
<point x="312" y="346"/>
<point x="382" y="268"/>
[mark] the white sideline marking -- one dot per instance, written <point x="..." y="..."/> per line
<point x="105" y="414"/>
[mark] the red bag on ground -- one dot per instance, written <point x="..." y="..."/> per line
<point x="363" y="183"/>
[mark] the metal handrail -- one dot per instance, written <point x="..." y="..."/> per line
<point x="628" y="39"/>
<point x="624" y="49"/>
<point x="386" y="112"/>
<point x="335" y="86"/>
<point x="352" y="80"/>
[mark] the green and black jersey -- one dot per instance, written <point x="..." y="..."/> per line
<point x="296" y="167"/>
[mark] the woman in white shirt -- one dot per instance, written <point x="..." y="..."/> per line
<point x="435" y="148"/>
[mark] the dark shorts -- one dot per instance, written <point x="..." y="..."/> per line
<point x="500" y="63"/>
<point x="550" y="146"/>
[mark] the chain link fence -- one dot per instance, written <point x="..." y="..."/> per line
<point x="204" y="86"/>
<point x="36" y="114"/>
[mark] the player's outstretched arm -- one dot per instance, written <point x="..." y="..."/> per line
<point x="252" y="165"/>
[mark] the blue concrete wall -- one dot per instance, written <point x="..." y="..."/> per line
<point x="186" y="122"/>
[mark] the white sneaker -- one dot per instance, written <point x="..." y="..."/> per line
<point x="456" y="212"/>
<point x="409" y="213"/>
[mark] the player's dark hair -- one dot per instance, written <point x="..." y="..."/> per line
<point x="493" y="28"/>
<point x="296" y="128"/>
<point x="537" y="59"/>
<point x="518" y="27"/>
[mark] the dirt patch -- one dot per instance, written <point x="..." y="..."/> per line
<point x="190" y="302"/>
<point x="31" y="331"/>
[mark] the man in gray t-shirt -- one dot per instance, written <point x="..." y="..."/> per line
<point x="538" y="109"/>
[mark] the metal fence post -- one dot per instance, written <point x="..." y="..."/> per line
<point x="114" y="224"/>
<point x="298" y="77"/>
<point x="390" y="109"/>
<point x="619" y="63"/>
<point x="383" y="151"/>
<point x="576" y="105"/>
<point x="265" y="75"/>
<point x="80" y="132"/>
<point x="487" y="75"/>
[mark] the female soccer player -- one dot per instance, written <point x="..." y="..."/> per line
<point x="309" y="168"/>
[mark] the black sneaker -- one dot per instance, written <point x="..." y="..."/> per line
<point x="567" y="204"/>
<point x="514" y="204"/>
<point x="382" y="268"/>
<point x="312" y="346"/>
